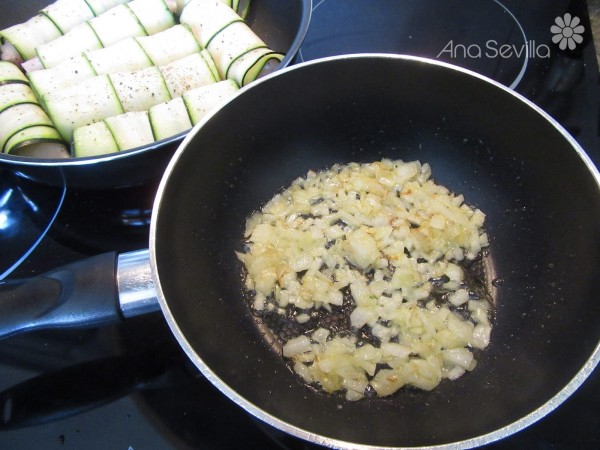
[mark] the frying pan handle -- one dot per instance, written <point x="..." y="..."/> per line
<point x="84" y="293"/>
<point x="135" y="284"/>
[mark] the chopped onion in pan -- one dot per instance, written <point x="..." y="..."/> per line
<point x="385" y="243"/>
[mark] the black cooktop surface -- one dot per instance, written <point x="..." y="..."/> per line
<point x="130" y="386"/>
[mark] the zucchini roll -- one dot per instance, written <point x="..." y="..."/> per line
<point x="18" y="42"/>
<point x="25" y="128"/>
<point x="137" y="128"/>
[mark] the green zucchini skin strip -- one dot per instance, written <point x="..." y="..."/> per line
<point x="100" y="6"/>
<point x="19" y="117"/>
<point x="139" y="90"/>
<point x="170" y="44"/>
<point x="53" y="22"/>
<point x="67" y="14"/>
<point x="23" y="122"/>
<point x="243" y="8"/>
<point x="116" y="24"/>
<point x="125" y="55"/>
<point x="80" y="39"/>
<point x="187" y="73"/>
<point x="216" y="74"/>
<point x="6" y="82"/>
<point x="86" y="102"/>
<point x="36" y="134"/>
<point x="228" y="24"/>
<point x="241" y="58"/>
<point x="211" y="64"/>
<point x="141" y="25"/>
<point x="71" y="72"/>
<point x="240" y="6"/>
<point x="131" y="129"/>
<point x="207" y="18"/>
<point x="203" y="99"/>
<point x="230" y="42"/>
<point x="107" y="28"/>
<point x="154" y="17"/>
<point x="258" y="69"/>
<point x="106" y="95"/>
<point x="93" y="140"/>
<point x="50" y="23"/>
<point x="189" y="109"/>
<point x="15" y="94"/>
<point x="252" y="65"/>
<point x="27" y="36"/>
<point x="10" y="73"/>
<point x="169" y="118"/>
<point x="116" y="58"/>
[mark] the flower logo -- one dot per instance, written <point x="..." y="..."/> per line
<point x="567" y="31"/>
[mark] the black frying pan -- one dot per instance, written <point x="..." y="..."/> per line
<point x="281" y="24"/>
<point x="539" y="190"/>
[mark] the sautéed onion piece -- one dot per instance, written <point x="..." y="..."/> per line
<point x="384" y="248"/>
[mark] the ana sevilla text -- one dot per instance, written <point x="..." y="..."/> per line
<point x="493" y="49"/>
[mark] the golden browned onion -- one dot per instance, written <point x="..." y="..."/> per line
<point x="385" y="233"/>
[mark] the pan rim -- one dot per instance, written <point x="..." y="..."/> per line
<point x="498" y="434"/>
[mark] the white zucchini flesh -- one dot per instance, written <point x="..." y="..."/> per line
<point x="21" y="40"/>
<point x="10" y="73"/>
<point x="139" y="90"/>
<point x="231" y="43"/>
<point x="108" y="28"/>
<point x="204" y="99"/>
<point x="17" y="118"/>
<point x="248" y="67"/>
<point x="86" y="102"/>
<point x="65" y="74"/>
<point x="93" y="140"/>
<point x="100" y="6"/>
<point x="147" y="88"/>
<point x="15" y="93"/>
<point x="80" y="39"/>
<point x="25" y="128"/>
<point x="108" y="95"/>
<point x="153" y="15"/>
<point x="115" y="24"/>
<point x="38" y="141"/>
<point x="169" y="45"/>
<point x="125" y="55"/>
<point x="169" y="118"/>
<point x="187" y="73"/>
<point x="240" y="6"/>
<point x="66" y="14"/>
<point x="207" y="17"/>
<point x="161" y="121"/>
<point x="131" y="129"/>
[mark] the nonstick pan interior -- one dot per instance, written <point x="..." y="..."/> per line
<point x="538" y="189"/>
